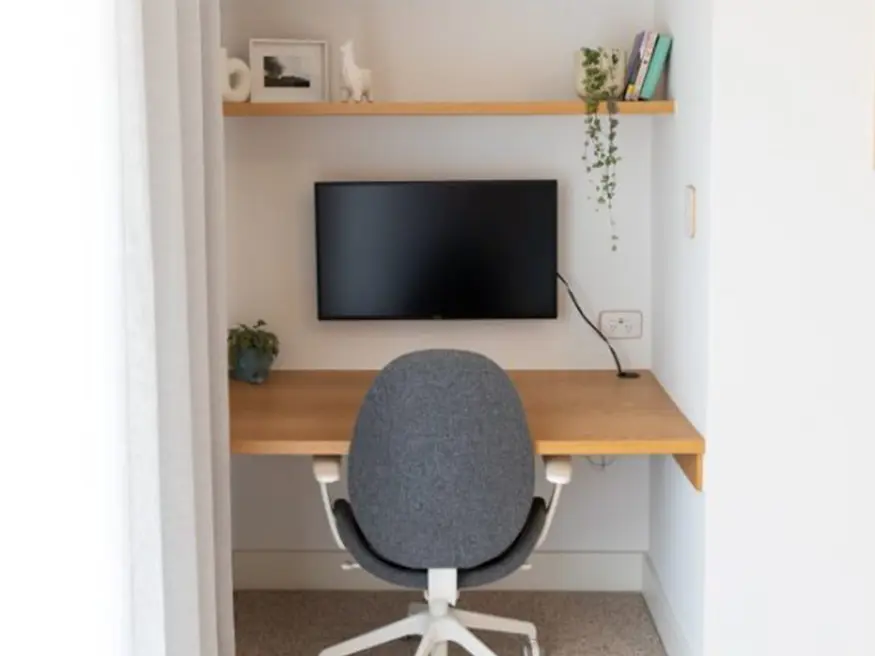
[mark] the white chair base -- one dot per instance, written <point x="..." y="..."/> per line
<point x="437" y="632"/>
<point x="439" y="624"/>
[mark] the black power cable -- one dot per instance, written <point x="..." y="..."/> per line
<point x="621" y="373"/>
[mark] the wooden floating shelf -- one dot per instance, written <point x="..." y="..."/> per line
<point x="533" y="108"/>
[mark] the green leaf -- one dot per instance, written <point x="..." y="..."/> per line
<point x="255" y="337"/>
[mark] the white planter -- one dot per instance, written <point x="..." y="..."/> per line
<point x="616" y="73"/>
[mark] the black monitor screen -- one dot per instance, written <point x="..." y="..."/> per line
<point x="475" y="249"/>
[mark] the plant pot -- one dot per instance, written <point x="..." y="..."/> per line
<point x="252" y="366"/>
<point x="616" y="73"/>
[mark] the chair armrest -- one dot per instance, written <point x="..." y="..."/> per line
<point x="558" y="469"/>
<point x="558" y="472"/>
<point x="326" y="470"/>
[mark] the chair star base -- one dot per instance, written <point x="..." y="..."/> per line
<point x="439" y="624"/>
<point x="438" y="631"/>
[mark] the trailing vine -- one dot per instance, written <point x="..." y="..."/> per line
<point x="601" y="151"/>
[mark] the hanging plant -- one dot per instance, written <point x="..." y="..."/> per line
<point x="600" y="81"/>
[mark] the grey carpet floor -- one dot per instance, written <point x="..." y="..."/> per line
<point x="569" y="623"/>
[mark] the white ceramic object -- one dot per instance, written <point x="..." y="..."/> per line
<point x="616" y="78"/>
<point x="356" y="82"/>
<point x="236" y="78"/>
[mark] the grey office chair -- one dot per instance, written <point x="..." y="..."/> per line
<point x="441" y="495"/>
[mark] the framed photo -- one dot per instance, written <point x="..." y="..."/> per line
<point x="289" y="70"/>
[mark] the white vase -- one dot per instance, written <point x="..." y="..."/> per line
<point x="616" y="81"/>
<point x="235" y="78"/>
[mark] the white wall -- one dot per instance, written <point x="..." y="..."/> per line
<point x="272" y="164"/>
<point x="436" y="50"/>
<point x="789" y="488"/>
<point x="681" y="157"/>
<point x="449" y="49"/>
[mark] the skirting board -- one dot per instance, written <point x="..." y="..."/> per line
<point x="321" y="570"/>
<point x="673" y="639"/>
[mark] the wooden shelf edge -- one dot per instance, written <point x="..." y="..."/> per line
<point x="689" y="454"/>
<point x="531" y="108"/>
<point x="288" y="448"/>
<point x="680" y="449"/>
<point x="693" y="466"/>
<point x="621" y="447"/>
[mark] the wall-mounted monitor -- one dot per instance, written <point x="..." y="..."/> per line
<point x="438" y="249"/>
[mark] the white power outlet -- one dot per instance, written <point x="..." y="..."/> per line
<point x="621" y="324"/>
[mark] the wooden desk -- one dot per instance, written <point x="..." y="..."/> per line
<point x="569" y="413"/>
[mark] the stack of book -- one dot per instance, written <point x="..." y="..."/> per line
<point x="646" y="65"/>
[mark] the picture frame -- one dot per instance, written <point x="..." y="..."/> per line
<point x="289" y="70"/>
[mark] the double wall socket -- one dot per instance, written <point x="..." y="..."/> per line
<point x="621" y="324"/>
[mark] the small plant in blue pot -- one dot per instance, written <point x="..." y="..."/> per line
<point x="251" y="352"/>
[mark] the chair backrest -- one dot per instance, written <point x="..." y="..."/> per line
<point x="441" y="468"/>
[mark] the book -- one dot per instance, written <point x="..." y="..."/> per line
<point x="634" y="61"/>
<point x="633" y="90"/>
<point x="657" y="65"/>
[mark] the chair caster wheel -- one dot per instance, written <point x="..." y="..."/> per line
<point x="532" y="649"/>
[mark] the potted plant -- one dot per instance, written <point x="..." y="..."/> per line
<point x="600" y="79"/>
<point x="251" y="352"/>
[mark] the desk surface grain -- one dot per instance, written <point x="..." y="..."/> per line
<point x="569" y="413"/>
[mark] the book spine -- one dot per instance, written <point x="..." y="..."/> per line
<point x="657" y="65"/>
<point x="647" y="46"/>
<point x="637" y="51"/>
<point x="634" y="60"/>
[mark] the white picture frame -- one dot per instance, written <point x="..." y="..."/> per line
<point x="289" y="70"/>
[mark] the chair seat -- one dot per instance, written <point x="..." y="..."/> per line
<point x="497" y="568"/>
